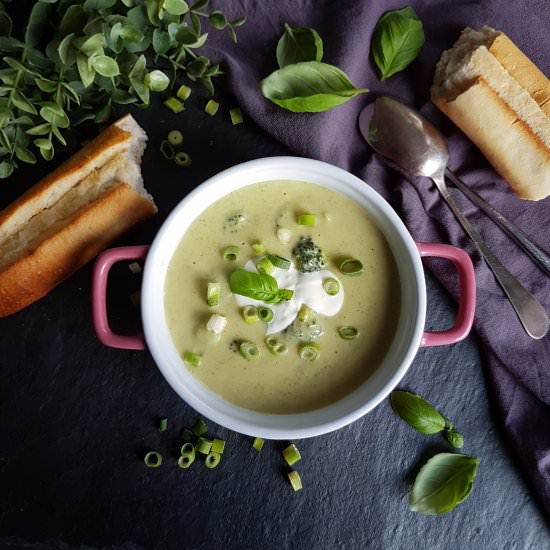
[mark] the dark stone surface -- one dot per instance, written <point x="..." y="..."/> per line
<point x="76" y="419"/>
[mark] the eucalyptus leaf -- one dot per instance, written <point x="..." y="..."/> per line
<point x="73" y="20"/>
<point x="6" y="169"/>
<point x="299" y="44"/>
<point x="21" y="102"/>
<point x="156" y="81"/>
<point x="161" y="41"/>
<point x="57" y="133"/>
<point x="24" y="155"/>
<point x="417" y="412"/>
<point x="397" y="39"/>
<point x="199" y="4"/>
<point x="47" y="86"/>
<point x="67" y="54"/>
<point x="105" y="66"/>
<point x="176" y="7"/>
<point x="87" y="73"/>
<point x="38" y="24"/>
<point x="442" y="483"/>
<point x="309" y="87"/>
<point x="5" y="24"/>
<point x="217" y="20"/>
<point x="98" y="5"/>
<point x="92" y="45"/>
<point x="39" y="130"/>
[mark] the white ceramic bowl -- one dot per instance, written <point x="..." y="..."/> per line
<point x="410" y="331"/>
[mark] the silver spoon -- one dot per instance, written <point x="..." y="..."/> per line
<point x="412" y="145"/>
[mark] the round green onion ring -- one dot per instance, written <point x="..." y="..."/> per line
<point x="175" y="138"/>
<point x="231" y="253"/>
<point x="258" y="444"/>
<point x="185" y="461"/>
<point x="203" y="446"/>
<point x="211" y="107"/>
<point x="348" y="332"/>
<point x="275" y="346"/>
<point x="307" y="219"/>
<point x="212" y="460"/>
<point x="278" y="261"/>
<point x="250" y="314"/>
<point x="218" y="446"/>
<point x="291" y="454"/>
<point x="174" y="104"/>
<point x="265" y="266"/>
<point x="295" y="480"/>
<point x="181" y="158"/>
<point x="310" y="351"/>
<point x="249" y="350"/>
<point x="183" y="92"/>
<point x="236" y="116"/>
<point x="351" y="267"/>
<point x="331" y="286"/>
<point x="187" y="449"/>
<point x="167" y="150"/>
<point x="152" y="459"/>
<point x="265" y="314"/>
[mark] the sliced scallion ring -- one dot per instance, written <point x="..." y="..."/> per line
<point x="175" y="138"/>
<point x="250" y="314"/>
<point x="291" y="454"/>
<point x="265" y="266"/>
<point x="200" y="427"/>
<point x="213" y="293"/>
<point x="187" y="449"/>
<point x="307" y="219"/>
<point x="249" y="350"/>
<point x="310" y="351"/>
<point x="286" y="293"/>
<point x="351" y="267"/>
<point x="258" y="444"/>
<point x="275" y="346"/>
<point x="236" y="116"/>
<point x="187" y="435"/>
<point x="183" y="92"/>
<point x="192" y="359"/>
<point x="231" y="253"/>
<point x="279" y="261"/>
<point x="185" y="461"/>
<point x="163" y="424"/>
<point x="211" y="107"/>
<point x="167" y="150"/>
<point x="203" y="446"/>
<point x="259" y="248"/>
<point x="152" y="459"/>
<point x="265" y="314"/>
<point x="295" y="480"/>
<point x="174" y="104"/>
<point x="212" y="460"/>
<point x="331" y="286"/>
<point x="181" y="158"/>
<point x="348" y="332"/>
<point x="218" y="446"/>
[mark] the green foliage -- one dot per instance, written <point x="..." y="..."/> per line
<point x="299" y="44"/>
<point x="77" y="58"/>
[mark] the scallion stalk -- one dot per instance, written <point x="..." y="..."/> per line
<point x="310" y="351"/>
<point x="259" y="248"/>
<point x="163" y="424"/>
<point x="188" y="449"/>
<point x="185" y="461"/>
<point x="265" y="314"/>
<point x="275" y="346"/>
<point x="200" y="427"/>
<point x="231" y="253"/>
<point x="218" y="446"/>
<point x="279" y="261"/>
<point x="265" y="266"/>
<point x="258" y="444"/>
<point x="291" y="454"/>
<point x="203" y="446"/>
<point x="175" y="138"/>
<point x="250" y="314"/>
<point x="351" y="267"/>
<point x="348" y="332"/>
<point x="213" y="294"/>
<point x="249" y="350"/>
<point x="331" y="286"/>
<point x="174" y="104"/>
<point x="192" y="359"/>
<point x="295" y="480"/>
<point x="167" y="150"/>
<point x="181" y="158"/>
<point x="307" y="219"/>
<point x="152" y="459"/>
<point x="183" y="92"/>
<point x="211" y="107"/>
<point x="212" y="459"/>
<point x="236" y="116"/>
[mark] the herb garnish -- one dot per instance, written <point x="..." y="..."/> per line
<point x="258" y="286"/>
<point x="299" y="44"/>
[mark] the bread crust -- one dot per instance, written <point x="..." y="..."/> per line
<point x="87" y="233"/>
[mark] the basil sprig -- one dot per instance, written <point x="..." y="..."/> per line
<point x="442" y="483"/>
<point x="299" y="44"/>
<point x="423" y="417"/>
<point x="396" y="41"/>
<point x="258" y="286"/>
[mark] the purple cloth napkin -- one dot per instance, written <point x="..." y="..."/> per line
<point x="518" y="367"/>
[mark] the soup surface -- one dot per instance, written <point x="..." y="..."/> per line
<point x="289" y="382"/>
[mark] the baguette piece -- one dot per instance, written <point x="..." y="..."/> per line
<point x="72" y="214"/>
<point x="501" y="101"/>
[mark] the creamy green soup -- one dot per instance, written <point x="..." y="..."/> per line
<point x="291" y="381"/>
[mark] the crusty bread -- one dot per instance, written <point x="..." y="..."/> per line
<point x="500" y="99"/>
<point x="72" y="214"/>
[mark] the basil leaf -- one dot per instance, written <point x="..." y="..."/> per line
<point x="396" y="41"/>
<point x="258" y="286"/>
<point x="417" y="412"/>
<point x="309" y="87"/>
<point x="442" y="483"/>
<point x="299" y="44"/>
<point x="456" y="439"/>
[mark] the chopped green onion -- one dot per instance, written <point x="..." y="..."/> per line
<point x="258" y="444"/>
<point x="192" y="359"/>
<point x="231" y="253"/>
<point x="213" y="293"/>
<point x="211" y="107"/>
<point x="152" y="459"/>
<point x="249" y="350"/>
<point x="181" y="158"/>
<point x="265" y="314"/>
<point x="216" y="324"/>
<point x="295" y="480"/>
<point x="310" y="351"/>
<point x="279" y="261"/>
<point x="163" y="424"/>
<point x="183" y="92"/>
<point x="331" y="286"/>
<point x="174" y="104"/>
<point x="275" y="346"/>
<point x="307" y="219"/>
<point x="265" y="266"/>
<point x="175" y="138"/>
<point x="218" y="446"/>
<point x="250" y="314"/>
<point x="212" y="460"/>
<point x="286" y="293"/>
<point x="185" y="461"/>
<point x="167" y="150"/>
<point x="135" y="298"/>
<point x="351" y="267"/>
<point x="203" y="446"/>
<point x="187" y="435"/>
<point x="258" y="248"/>
<point x="236" y="116"/>
<point x="199" y="427"/>
<point x="187" y="449"/>
<point x="291" y="454"/>
<point x="284" y="235"/>
<point x="135" y="268"/>
<point x="348" y="333"/>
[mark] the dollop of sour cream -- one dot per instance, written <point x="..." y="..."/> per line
<point x="308" y="290"/>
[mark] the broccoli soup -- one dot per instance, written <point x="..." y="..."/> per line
<point x="282" y="297"/>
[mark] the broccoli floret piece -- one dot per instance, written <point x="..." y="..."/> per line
<point x="306" y="327"/>
<point x="309" y="257"/>
<point x="235" y="221"/>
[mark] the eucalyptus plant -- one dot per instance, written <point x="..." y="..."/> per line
<point x="76" y="58"/>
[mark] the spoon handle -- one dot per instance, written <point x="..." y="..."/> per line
<point x="538" y="255"/>
<point x="529" y="311"/>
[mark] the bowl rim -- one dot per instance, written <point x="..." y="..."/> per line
<point x="250" y="424"/>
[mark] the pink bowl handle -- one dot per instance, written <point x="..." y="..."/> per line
<point x="467" y="300"/>
<point x="100" y="276"/>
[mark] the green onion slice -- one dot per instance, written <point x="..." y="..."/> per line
<point x="265" y="266"/>
<point x="231" y="253"/>
<point x="348" y="332"/>
<point x="167" y="150"/>
<point x="265" y="314"/>
<point x="258" y="444"/>
<point x="236" y="116"/>
<point x="351" y="267"/>
<point x="152" y="459"/>
<point x="175" y="138"/>
<point x="307" y="219"/>
<point x="291" y="454"/>
<point x="183" y="92"/>
<point x="250" y="314"/>
<point x="218" y="446"/>
<point x="212" y="459"/>
<point x="187" y="435"/>
<point x="331" y="286"/>
<point x="192" y="359"/>
<point x="174" y="104"/>
<point x="163" y="424"/>
<point x="135" y="268"/>
<point x="188" y="449"/>
<point x="310" y="351"/>
<point x="185" y="461"/>
<point x="259" y="248"/>
<point x="213" y="293"/>
<point x="279" y="261"/>
<point x="295" y="480"/>
<point x="203" y="446"/>
<point x="286" y="293"/>
<point x="275" y="346"/>
<point x="249" y="350"/>
<point x="181" y="158"/>
<point x="200" y="427"/>
<point x="211" y="107"/>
